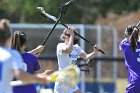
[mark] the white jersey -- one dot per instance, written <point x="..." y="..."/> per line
<point x="9" y="60"/>
<point x="65" y="60"/>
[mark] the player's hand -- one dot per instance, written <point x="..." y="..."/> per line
<point x="96" y="49"/>
<point x="38" y="50"/>
<point x="71" y="31"/>
<point x="48" y="72"/>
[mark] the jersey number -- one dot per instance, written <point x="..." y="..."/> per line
<point x="1" y="69"/>
<point x="138" y="59"/>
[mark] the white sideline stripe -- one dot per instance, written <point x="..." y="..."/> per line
<point x="18" y="83"/>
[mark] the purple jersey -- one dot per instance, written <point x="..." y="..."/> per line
<point x="32" y="66"/>
<point x="132" y="63"/>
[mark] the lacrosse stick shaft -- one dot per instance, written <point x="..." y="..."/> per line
<point x="82" y="37"/>
<point x="53" y="18"/>
<point x="51" y="31"/>
<point x="45" y="40"/>
<point x="76" y="33"/>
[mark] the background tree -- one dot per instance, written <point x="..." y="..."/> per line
<point x="82" y="12"/>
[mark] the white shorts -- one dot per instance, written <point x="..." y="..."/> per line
<point x="64" y="88"/>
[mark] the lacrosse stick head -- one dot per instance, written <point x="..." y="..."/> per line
<point x="46" y="15"/>
<point x="41" y="9"/>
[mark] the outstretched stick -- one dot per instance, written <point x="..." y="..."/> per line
<point x="63" y="10"/>
<point x="50" y="17"/>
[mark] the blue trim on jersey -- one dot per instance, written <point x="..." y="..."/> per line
<point x="73" y="56"/>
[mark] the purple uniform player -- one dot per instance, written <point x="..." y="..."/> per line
<point x="19" y="40"/>
<point x="130" y="47"/>
<point x="32" y="67"/>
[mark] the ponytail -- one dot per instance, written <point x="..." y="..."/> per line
<point x="15" y="44"/>
<point x="134" y="38"/>
<point x="18" y="40"/>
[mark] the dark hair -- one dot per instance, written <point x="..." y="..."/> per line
<point x="4" y="30"/>
<point x="133" y="31"/>
<point x="18" y="39"/>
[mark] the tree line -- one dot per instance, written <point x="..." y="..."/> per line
<point x="83" y="11"/>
